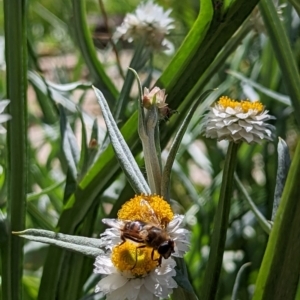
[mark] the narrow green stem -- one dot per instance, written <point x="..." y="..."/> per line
<point x="16" y="72"/>
<point x="213" y="269"/>
<point x="149" y="148"/>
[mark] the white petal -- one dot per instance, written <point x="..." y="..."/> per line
<point x="234" y="128"/>
<point x="230" y="111"/>
<point x="243" y="115"/>
<point x="223" y="132"/>
<point x="174" y="224"/>
<point x="145" y="294"/>
<point x="104" y="265"/>
<point x="3" y="104"/>
<point x="219" y="113"/>
<point x="2" y="129"/>
<point x="255" y="122"/>
<point x="150" y="283"/>
<point x="248" y="127"/>
<point x="258" y="133"/>
<point x="230" y="120"/>
<point x="4" y="118"/>
<point x="110" y="283"/>
<point x="247" y="136"/>
<point x="219" y="124"/>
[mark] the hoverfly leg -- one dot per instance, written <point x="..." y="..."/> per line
<point x="158" y="260"/>
<point x="139" y="247"/>
<point x="123" y="240"/>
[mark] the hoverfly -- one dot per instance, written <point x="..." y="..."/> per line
<point x="149" y="234"/>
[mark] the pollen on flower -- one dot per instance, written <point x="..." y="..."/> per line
<point x="127" y="255"/>
<point x="134" y="210"/>
<point x="244" y="105"/>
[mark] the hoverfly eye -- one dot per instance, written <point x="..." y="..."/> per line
<point x="163" y="248"/>
<point x="166" y="248"/>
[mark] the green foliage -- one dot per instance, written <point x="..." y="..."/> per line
<point x="62" y="171"/>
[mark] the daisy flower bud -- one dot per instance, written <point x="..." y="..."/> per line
<point x="157" y="97"/>
<point x="238" y="121"/>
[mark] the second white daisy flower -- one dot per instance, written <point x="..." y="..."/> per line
<point x="238" y="121"/>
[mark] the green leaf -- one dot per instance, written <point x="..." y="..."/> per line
<point x="69" y="87"/>
<point x="42" y="89"/>
<point x="78" y="244"/>
<point x="186" y="53"/>
<point x="281" y="259"/>
<point x="200" y="48"/>
<point x="283" y="52"/>
<point x="283" y="167"/>
<point x="125" y="157"/>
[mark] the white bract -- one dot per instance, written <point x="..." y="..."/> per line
<point x="238" y="121"/>
<point x="3" y="117"/>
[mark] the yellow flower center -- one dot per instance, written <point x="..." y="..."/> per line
<point x="150" y="209"/>
<point x="135" y="210"/>
<point x="138" y="261"/>
<point x="245" y="105"/>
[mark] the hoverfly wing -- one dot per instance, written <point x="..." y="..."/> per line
<point x="114" y="223"/>
<point x="149" y="213"/>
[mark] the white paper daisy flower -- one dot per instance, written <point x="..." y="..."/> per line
<point x="3" y="117"/>
<point x="238" y="121"/>
<point x="135" y="272"/>
<point x="150" y="22"/>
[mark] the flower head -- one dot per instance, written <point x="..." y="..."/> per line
<point x="238" y="121"/>
<point x="3" y="117"/>
<point x="157" y="97"/>
<point x="149" y="22"/>
<point x="133" y="264"/>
